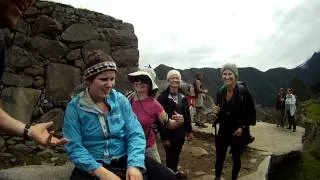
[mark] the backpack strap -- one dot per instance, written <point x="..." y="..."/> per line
<point x="130" y="95"/>
<point x="219" y="102"/>
<point x="241" y="91"/>
<point x="220" y="94"/>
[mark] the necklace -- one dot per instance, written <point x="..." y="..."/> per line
<point x="174" y="97"/>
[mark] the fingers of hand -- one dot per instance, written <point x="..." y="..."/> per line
<point x="48" y="124"/>
<point x="58" y="142"/>
<point x="134" y="174"/>
<point x="49" y="138"/>
<point x="177" y="117"/>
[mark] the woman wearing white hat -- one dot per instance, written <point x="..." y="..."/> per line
<point x="148" y="110"/>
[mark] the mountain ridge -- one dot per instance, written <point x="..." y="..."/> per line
<point x="263" y="85"/>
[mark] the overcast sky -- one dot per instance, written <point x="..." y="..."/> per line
<point x="251" y="33"/>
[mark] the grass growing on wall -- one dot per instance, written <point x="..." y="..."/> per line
<point x="311" y="109"/>
<point x="308" y="168"/>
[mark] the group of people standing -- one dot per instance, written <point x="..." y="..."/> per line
<point x="114" y="136"/>
<point x="286" y="104"/>
<point x="110" y="136"/>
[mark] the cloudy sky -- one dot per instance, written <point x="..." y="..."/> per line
<point x="184" y="34"/>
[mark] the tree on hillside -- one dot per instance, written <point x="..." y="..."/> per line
<point x="299" y="89"/>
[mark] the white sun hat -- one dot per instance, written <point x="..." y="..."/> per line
<point x="149" y="72"/>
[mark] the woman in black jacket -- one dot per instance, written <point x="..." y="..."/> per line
<point x="235" y="109"/>
<point x="174" y="102"/>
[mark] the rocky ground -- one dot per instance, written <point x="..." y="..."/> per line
<point x="14" y="151"/>
<point x="197" y="157"/>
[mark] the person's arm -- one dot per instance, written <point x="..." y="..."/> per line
<point x="199" y="90"/>
<point x="37" y="132"/>
<point x="186" y="116"/>
<point x="76" y="152"/>
<point x="10" y="125"/>
<point x="164" y="119"/>
<point x="168" y="122"/>
<point x="163" y="132"/>
<point x="136" y="141"/>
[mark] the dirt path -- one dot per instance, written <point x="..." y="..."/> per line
<point x="200" y="166"/>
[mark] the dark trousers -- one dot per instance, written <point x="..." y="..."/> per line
<point x="154" y="171"/>
<point x="223" y="141"/>
<point x="292" y="120"/>
<point x="173" y="153"/>
<point x="280" y="120"/>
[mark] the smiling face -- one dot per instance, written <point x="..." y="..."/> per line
<point x="142" y="84"/>
<point x="228" y="77"/>
<point x="12" y="10"/>
<point x="174" y="81"/>
<point x="101" y="85"/>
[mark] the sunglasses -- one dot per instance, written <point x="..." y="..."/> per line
<point x="142" y="79"/>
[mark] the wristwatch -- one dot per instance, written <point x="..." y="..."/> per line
<point x="26" y="131"/>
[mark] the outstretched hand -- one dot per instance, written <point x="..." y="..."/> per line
<point x="177" y="117"/>
<point x="39" y="133"/>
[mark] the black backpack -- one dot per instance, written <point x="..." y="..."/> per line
<point x="245" y="99"/>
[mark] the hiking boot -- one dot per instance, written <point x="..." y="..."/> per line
<point x="180" y="175"/>
<point x="289" y="127"/>
<point x="294" y="130"/>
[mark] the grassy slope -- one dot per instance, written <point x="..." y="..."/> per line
<point x="309" y="167"/>
<point x="311" y="110"/>
<point x="306" y="169"/>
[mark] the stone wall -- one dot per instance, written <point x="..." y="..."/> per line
<point x="47" y="52"/>
<point x="311" y="139"/>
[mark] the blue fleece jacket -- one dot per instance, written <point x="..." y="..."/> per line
<point x="88" y="143"/>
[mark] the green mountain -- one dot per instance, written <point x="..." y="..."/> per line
<point x="263" y="85"/>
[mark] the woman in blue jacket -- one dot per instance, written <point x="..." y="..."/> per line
<point x="106" y="140"/>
